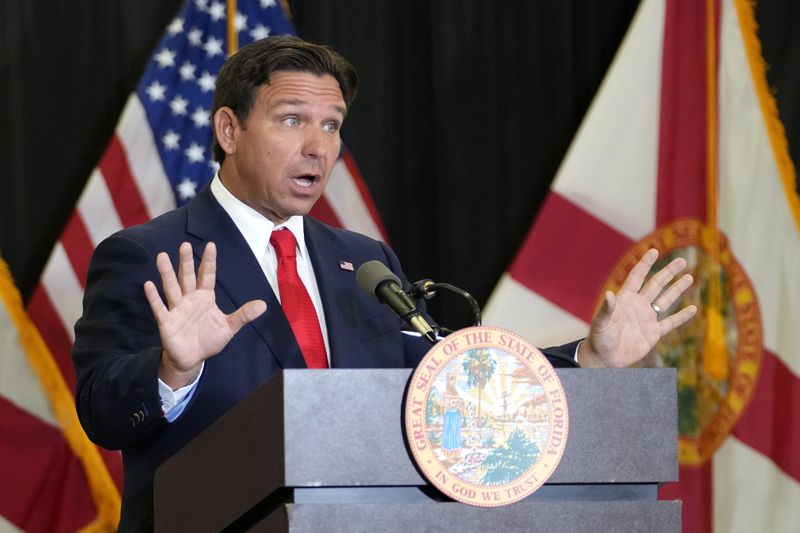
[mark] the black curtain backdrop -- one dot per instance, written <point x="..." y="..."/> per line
<point x="466" y="109"/>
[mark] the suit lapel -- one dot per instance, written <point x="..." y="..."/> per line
<point x="240" y="277"/>
<point x="324" y="250"/>
<point x="341" y="297"/>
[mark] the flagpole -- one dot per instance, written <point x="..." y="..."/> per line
<point x="715" y="353"/>
<point x="233" y="37"/>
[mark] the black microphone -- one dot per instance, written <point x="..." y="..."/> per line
<point x="383" y="286"/>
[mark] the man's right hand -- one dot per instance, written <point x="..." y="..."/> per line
<point x="191" y="326"/>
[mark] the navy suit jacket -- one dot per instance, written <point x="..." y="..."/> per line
<point x="117" y="348"/>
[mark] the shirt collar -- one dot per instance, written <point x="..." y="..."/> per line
<point x="255" y="227"/>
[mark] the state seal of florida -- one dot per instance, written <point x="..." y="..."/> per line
<point x="486" y="417"/>
<point x="718" y="354"/>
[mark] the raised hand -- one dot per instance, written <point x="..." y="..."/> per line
<point x="628" y="324"/>
<point x="191" y="325"/>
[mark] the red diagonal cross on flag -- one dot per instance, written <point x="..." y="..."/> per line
<point x="682" y="149"/>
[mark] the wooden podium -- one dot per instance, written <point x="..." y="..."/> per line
<point x="324" y="451"/>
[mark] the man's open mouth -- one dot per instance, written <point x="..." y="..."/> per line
<point x="305" y="180"/>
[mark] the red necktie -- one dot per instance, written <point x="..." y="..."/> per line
<point x="296" y="302"/>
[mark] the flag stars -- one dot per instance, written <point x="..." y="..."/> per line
<point x="217" y="11"/>
<point x="195" y="46"/>
<point x="178" y="105"/>
<point x="260" y="32"/>
<point x="241" y="22"/>
<point x="187" y="189"/>
<point x="171" y="140"/>
<point x="195" y="37"/>
<point x="187" y="71"/>
<point x="156" y="91"/>
<point x="165" y="58"/>
<point x="213" y="47"/>
<point x="207" y="82"/>
<point x="195" y="153"/>
<point x="175" y="27"/>
<point x="201" y="118"/>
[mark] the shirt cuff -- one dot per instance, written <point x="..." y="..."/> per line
<point x="173" y="402"/>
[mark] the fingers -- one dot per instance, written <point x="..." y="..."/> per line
<point x="671" y="322"/>
<point x="186" y="277"/>
<point x="245" y="314"/>
<point x="207" y="273"/>
<point x="172" y="289"/>
<point x="175" y="287"/>
<point x="160" y="311"/>
<point x="639" y="272"/>
<point x="609" y="304"/>
<point x="660" y="279"/>
<point x="671" y="295"/>
<point x="610" y="301"/>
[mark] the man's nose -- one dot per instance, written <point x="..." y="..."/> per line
<point x="316" y="143"/>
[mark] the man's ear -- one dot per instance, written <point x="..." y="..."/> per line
<point x="226" y="128"/>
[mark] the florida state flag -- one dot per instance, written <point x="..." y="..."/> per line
<point x="682" y="150"/>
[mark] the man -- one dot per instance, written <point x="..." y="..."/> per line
<point x="160" y="355"/>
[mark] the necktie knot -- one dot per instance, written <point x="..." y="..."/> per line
<point x="284" y="243"/>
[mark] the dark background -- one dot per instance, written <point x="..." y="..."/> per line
<point x="466" y="109"/>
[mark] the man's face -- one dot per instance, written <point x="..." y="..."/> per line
<point x="279" y="159"/>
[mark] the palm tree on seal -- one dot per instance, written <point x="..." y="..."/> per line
<point x="479" y="366"/>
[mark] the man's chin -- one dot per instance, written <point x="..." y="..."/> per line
<point x="300" y="208"/>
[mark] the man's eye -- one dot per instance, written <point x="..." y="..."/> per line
<point x="331" y="127"/>
<point x="291" y="121"/>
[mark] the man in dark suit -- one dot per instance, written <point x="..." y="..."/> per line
<point x="160" y="355"/>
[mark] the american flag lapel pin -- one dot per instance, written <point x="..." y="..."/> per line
<point x="346" y="265"/>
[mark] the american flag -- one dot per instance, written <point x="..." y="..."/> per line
<point x="157" y="159"/>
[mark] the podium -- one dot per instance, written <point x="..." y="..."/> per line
<point x="324" y="451"/>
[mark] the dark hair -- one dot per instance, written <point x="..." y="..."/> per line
<point x="253" y="65"/>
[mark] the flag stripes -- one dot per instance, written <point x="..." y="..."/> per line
<point x="347" y="203"/>
<point x="125" y="195"/>
<point x="78" y="246"/>
<point x="143" y="159"/>
<point x="353" y="201"/>
<point x="55" y="334"/>
<point x="94" y="206"/>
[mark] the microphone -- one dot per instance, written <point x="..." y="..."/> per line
<point x="384" y="286"/>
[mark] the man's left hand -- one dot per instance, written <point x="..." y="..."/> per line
<point x="628" y="324"/>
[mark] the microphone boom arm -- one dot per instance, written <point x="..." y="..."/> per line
<point x="426" y="288"/>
